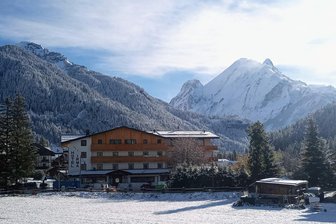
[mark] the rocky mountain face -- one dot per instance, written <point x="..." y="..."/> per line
<point x="254" y="91"/>
<point x="63" y="97"/>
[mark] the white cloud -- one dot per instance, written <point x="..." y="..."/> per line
<point x="154" y="37"/>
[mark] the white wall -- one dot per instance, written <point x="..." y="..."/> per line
<point x="75" y="150"/>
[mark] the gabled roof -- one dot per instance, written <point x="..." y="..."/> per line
<point x="74" y="138"/>
<point x="43" y="151"/>
<point x="185" y="134"/>
<point x="280" y="181"/>
<point x="65" y="138"/>
<point x="162" y="134"/>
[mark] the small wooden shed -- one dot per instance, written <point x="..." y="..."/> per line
<point x="278" y="190"/>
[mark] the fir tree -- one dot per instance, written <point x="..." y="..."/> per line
<point x="260" y="161"/>
<point x="314" y="165"/>
<point x="6" y="129"/>
<point x="16" y="142"/>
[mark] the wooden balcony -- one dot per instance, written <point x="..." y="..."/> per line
<point x="128" y="147"/>
<point x="127" y="159"/>
<point x="211" y="148"/>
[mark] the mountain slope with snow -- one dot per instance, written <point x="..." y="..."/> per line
<point x="63" y="97"/>
<point x="254" y="91"/>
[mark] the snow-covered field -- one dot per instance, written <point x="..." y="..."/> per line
<point x="139" y="208"/>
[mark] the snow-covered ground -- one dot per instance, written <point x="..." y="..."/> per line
<point x="139" y="208"/>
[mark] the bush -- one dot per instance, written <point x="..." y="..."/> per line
<point x="189" y="176"/>
<point x="37" y="175"/>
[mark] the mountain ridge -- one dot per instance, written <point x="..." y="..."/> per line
<point x="63" y="97"/>
<point x="255" y="91"/>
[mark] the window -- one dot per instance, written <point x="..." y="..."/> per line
<point x="83" y="154"/>
<point x="115" y="166"/>
<point x="99" y="166"/>
<point x="115" y="141"/>
<point x="115" y="154"/>
<point x="131" y="166"/>
<point x="159" y="165"/>
<point x="83" y="142"/>
<point x="145" y="165"/>
<point x="130" y="153"/>
<point x="100" y="154"/>
<point x="201" y="141"/>
<point x="83" y="166"/>
<point x="159" y="153"/>
<point x="130" y="141"/>
<point x="100" y="141"/>
<point x="142" y="179"/>
<point x="145" y="153"/>
<point x="145" y="141"/>
<point x="159" y="141"/>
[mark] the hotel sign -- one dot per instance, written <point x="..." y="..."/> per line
<point x="74" y="161"/>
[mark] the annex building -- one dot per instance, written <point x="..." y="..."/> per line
<point x="127" y="157"/>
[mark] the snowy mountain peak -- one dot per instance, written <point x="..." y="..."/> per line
<point x="191" y="84"/>
<point x="254" y="91"/>
<point x="33" y="48"/>
<point x="189" y="88"/>
<point x="268" y="62"/>
<point x="53" y="57"/>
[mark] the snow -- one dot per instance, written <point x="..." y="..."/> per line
<point x="254" y="91"/>
<point x="81" y="207"/>
<point x="282" y="181"/>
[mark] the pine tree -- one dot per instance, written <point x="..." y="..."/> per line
<point x="270" y="169"/>
<point x="6" y="129"/>
<point x="260" y="161"/>
<point x="314" y="165"/>
<point x="22" y="140"/>
<point x="16" y="142"/>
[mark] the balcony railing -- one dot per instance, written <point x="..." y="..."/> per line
<point x="211" y="147"/>
<point x="126" y="159"/>
<point x="128" y="147"/>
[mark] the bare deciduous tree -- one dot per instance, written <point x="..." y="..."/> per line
<point x="187" y="150"/>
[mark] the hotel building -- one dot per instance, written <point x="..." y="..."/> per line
<point x="127" y="157"/>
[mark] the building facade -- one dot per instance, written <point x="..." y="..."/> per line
<point x="44" y="157"/>
<point x="125" y="156"/>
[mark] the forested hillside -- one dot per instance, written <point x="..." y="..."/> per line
<point x="290" y="141"/>
<point x="63" y="97"/>
<point x="294" y="134"/>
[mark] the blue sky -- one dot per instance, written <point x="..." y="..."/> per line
<point x="160" y="44"/>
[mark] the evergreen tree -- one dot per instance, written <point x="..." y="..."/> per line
<point x="260" y="161"/>
<point x="270" y="169"/>
<point x="314" y="165"/>
<point x="6" y="129"/>
<point x="16" y="142"/>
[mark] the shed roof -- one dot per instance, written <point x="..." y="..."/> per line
<point x="281" y="181"/>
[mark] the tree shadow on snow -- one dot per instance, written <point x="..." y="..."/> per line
<point x="190" y="208"/>
<point x="259" y="207"/>
<point x="328" y="216"/>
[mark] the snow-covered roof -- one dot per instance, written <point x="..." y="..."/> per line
<point x="148" y="171"/>
<point x="282" y="181"/>
<point x="141" y="171"/>
<point x="185" y="134"/>
<point x="164" y="134"/>
<point x="65" y="138"/>
<point x="43" y="151"/>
